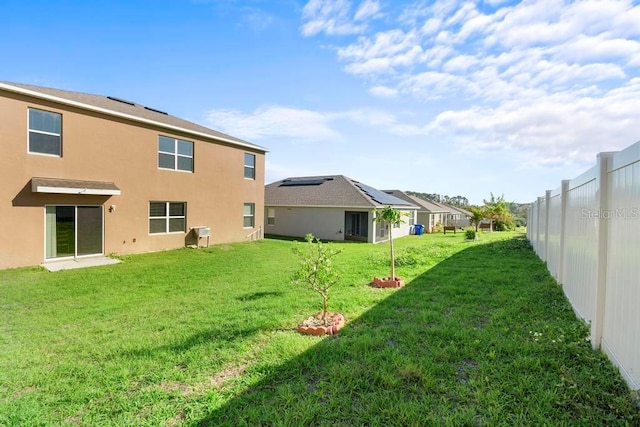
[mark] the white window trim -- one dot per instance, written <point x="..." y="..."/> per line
<point x="272" y="217"/>
<point x="249" y="216"/>
<point x="166" y="218"/>
<point x="175" y="155"/>
<point x="249" y="166"/>
<point x="29" y="130"/>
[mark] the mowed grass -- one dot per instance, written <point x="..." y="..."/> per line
<point x="480" y="336"/>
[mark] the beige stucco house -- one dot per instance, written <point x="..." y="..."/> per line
<point x="333" y="207"/>
<point x="86" y="175"/>
<point x="456" y="216"/>
<point x="428" y="214"/>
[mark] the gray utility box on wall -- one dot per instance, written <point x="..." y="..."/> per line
<point x="200" y="232"/>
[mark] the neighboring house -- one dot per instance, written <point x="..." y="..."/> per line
<point x="457" y="216"/>
<point x="332" y="207"/>
<point x="86" y="175"/>
<point x="429" y="213"/>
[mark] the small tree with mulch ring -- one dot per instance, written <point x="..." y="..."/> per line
<point x="316" y="270"/>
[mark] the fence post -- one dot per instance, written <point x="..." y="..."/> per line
<point x="538" y="230"/>
<point x="602" y="197"/>
<point x="563" y="220"/>
<point x="529" y="219"/>
<point x="547" y="206"/>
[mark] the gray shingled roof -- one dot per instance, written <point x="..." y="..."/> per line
<point x="429" y="205"/>
<point x="136" y="111"/>
<point x="459" y="210"/>
<point x="423" y="205"/>
<point x="330" y="190"/>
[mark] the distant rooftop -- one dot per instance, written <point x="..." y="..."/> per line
<point x="327" y="191"/>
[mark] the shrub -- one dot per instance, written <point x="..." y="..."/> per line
<point x="499" y="225"/>
<point x="470" y="234"/>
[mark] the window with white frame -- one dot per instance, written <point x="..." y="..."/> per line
<point x="167" y="217"/>
<point x="271" y="216"/>
<point x="45" y="132"/>
<point x="249" y="166"/>
<point x="249" y="215"/>
<point x="175" y="154"/>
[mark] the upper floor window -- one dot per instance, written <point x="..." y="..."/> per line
<point x="249" y="166"/>
<point x="167" y="217"/>
<point x="175" y="154"/>
<point x="45" y="132"/>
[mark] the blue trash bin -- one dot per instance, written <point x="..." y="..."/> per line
<point x="419" y="229"/>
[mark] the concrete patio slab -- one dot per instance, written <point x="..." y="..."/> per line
<point x="79" y="263"/>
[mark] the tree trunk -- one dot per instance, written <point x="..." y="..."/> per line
<point x="393" y="264"/>
<point x="324" y="310"/>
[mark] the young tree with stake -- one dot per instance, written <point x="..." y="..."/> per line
<point x="391" y="216"/>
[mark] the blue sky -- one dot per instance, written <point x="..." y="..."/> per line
<point x="450" y="97"/>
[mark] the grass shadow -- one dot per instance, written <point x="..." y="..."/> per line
<point x="258" y="295"/>
<point x="220" y="335"/>
<point x="301" y="239"/>
<point x="485" y="337"/>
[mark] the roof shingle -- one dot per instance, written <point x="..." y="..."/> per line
<point x="120" y="107"/>
<point x="330" y="190"/>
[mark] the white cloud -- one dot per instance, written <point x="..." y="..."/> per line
<point x="561" y="126"/>
<point x="583" y="49"/>
<point x="335" y="17"/>
<point x="389" y="50"/>
<point x="459" y="63"/>
<point x="329" y="16"/>
<point x="551" y="79"/>
<point x="432" y="85"/>
<point x="368" y="9"/>
<point x="298" y="124"/>
<point x="383" y="92"/>
<point x="431" y="26"/>
<point x="305" y="126"/>
<point x="466" y="12"/>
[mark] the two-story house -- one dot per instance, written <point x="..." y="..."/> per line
<point x="85" y="175"/>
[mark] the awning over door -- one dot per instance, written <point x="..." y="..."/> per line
<point x="73" y="186"/>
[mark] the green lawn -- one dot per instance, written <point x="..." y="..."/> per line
<point x="481" y="335"/>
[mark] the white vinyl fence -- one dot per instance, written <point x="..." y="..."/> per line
<point x="588" y="233"/>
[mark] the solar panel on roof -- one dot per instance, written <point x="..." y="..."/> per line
<point x="301" y="182"/>
<point x="380" y="196"/>
<point x="124" y="101"/>
<point x="156" y="111"/>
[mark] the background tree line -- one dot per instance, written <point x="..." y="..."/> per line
<point x="503" y="215"/>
